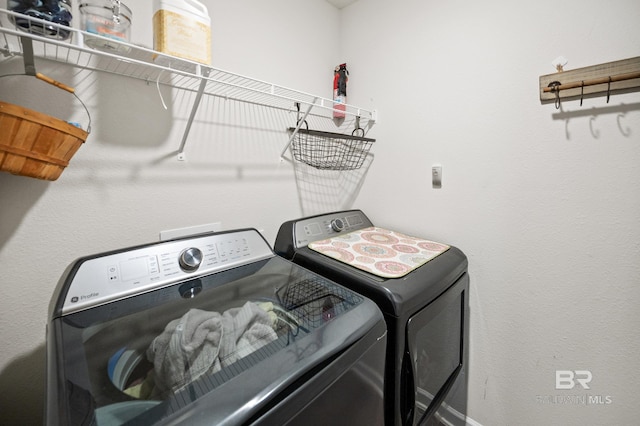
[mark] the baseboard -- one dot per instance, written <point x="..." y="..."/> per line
<point x="468" y="421"/>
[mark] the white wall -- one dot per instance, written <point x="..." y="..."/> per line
<point x="125" y="185"/>
<point x="545" y="203"/>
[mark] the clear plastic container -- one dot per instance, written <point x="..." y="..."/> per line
<point x="51" y="11"/>
<point x="110" y="19"/>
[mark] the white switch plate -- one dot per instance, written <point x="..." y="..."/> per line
<point x="436" y="176"/>
<point x="190" y="230"/>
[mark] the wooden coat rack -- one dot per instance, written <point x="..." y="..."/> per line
<point x="588" y="82"/>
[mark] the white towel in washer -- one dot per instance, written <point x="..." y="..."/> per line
<point x="204" y="342"/>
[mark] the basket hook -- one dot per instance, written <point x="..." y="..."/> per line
<point x="358" y="127"/>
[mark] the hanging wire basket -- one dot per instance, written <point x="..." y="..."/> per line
<point x="330" y="151"/>
<point x="35" y="144"/>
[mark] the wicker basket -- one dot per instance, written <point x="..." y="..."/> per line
<point x="35" y="144"/>
<point x="330" y="151"/>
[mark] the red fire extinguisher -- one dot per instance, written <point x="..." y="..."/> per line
<point x="340" y="78"/>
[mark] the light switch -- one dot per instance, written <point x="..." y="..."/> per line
<point x="436" y="176"/>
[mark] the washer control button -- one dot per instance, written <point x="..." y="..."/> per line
<point x="337" y="225"/>
<point x="190" y="259"/>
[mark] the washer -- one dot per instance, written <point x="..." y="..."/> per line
<point x="210" y="329"/>
<point x="422" y="288"/>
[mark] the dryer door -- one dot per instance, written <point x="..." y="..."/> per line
<point x="435" y="339"/>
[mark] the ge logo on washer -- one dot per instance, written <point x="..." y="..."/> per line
<point x="74" y="299"/>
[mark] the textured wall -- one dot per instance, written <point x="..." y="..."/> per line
<point x="545" y="203"/>
<point x="125" y="184"/>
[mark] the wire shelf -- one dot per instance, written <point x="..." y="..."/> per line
<point x="134" y="61"/>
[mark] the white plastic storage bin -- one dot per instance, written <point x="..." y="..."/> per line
<point x="182" y="28"/>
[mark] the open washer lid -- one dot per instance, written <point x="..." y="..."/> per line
<point x="218" y="346"/>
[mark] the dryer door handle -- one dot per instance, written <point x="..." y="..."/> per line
<point x="407" y="391"/>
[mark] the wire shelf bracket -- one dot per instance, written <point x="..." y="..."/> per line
<point x="297" y="128"/>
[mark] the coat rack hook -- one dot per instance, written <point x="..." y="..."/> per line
<point x="554" y="88"/>
<point x="608" y="89"/>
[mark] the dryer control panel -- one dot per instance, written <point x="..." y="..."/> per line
<point x="99" y="279"/>
<point x="327" y="226"/>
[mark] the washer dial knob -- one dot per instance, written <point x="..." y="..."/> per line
<point x="190" y="259"/>
<point x="337" y="225"/>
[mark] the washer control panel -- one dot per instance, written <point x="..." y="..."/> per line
<point x="326" y="226"/>
<point x="103" y="278"/>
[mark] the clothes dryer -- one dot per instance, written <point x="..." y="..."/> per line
<point x="213" y="329"/>
<point x="422" y="288"/>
